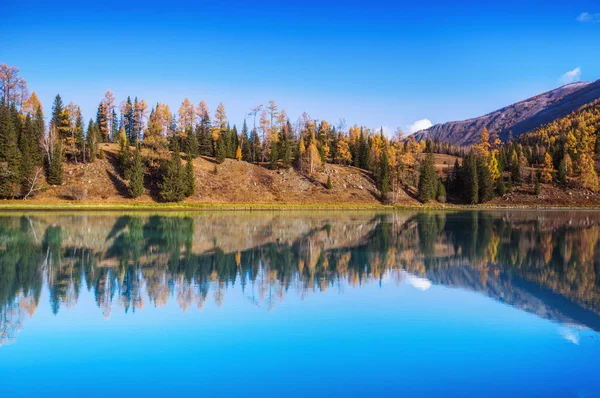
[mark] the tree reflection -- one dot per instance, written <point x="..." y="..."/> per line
<point x="130" y="261"/>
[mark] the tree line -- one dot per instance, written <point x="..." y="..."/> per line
<point x="157" y="147"/>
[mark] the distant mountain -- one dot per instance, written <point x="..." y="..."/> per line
<point x="519" y="118"/>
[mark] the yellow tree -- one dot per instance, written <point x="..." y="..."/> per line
<point x="547" y="169"/>
<point x="31" y="105"/>
<point x="494" y="168"/>
<point x="343" y="151"/>
<point x="221" y="117"/>
<point x="238" y="153"/>
<point x="588" y="177"/>
<point x="187" y="115"/>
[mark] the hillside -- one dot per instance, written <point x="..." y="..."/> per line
<point x="235" y="182"/>
<point x="517" y="118"/>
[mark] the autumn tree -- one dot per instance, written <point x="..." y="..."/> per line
<point x="547" y="170"/>
<point x="588" y="177"/>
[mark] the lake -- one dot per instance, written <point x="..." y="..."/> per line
<point x="307" y="304"/>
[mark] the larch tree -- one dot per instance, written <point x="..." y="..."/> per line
<point x="547" y="170"/>
<point x="588" y="177"/>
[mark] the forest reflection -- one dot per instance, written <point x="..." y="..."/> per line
<point x="547" y="263"/>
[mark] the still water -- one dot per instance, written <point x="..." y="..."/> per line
<point x="304" y="304"/>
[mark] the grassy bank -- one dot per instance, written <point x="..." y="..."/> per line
<point x="210" y="206"/>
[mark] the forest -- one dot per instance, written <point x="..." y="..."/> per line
<point x="157" y="146"/>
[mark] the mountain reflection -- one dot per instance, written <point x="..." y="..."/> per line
<point x="547" y="263"/>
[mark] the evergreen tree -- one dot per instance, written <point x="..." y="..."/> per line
<point x="59" y="119"/>
<point x="500" y="186"/>
<point x="102" y="123"/>
<point x="329" y="183"/>
<point x="384" y="172"/>
<point x="190" y="184"/>
<point x="136" y="174"/>
<point x="273" y="155"/>
<point x="55" y="165"/>
<point x="221" y="149"/>
<point x="10" y="156"/>
<point x="470" y="178"/>
<point x="484" y="179"/>
<point x="428" y="180"/>
<point x="91" y="139"/>
<point x="286" y="146"/>
<point x="441" y="192"/>
<point x="256" y="145"/>
<point x="129" y="121"/>
<point x="124" y="155"/>
<point x="192" y="147"/>
<point x="246" y="148"/>
<point x="173" y="186"/>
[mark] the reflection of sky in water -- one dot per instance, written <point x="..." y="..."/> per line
<point x="442" y="304"/>
<point x="398" y="336"/>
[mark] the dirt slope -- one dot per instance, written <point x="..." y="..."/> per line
<point x="234" y="182"/>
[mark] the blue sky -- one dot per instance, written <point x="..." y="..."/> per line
<point x="374" y="63"/>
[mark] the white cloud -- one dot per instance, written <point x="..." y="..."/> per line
<point x="571" y="76"/>
<point x="588" y="17"/>
<point x="419" y="125"/>
<point x="417" y="282"/>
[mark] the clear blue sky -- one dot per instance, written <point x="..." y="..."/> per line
<point x="374" y="62"/>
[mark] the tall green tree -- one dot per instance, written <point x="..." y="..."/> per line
<point x="428" y="180"/>
<point x="136" y="175"/>
<point x="173" y="187"/>
<point x="10" y="156"/>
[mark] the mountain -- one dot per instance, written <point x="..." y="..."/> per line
<point x="519" y="118"/>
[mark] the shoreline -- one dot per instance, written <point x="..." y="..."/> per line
<point x="212" y="206"/>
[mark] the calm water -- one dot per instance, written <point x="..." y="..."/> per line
<point x="300" y="304"/>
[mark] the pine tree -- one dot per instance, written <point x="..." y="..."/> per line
<point x="190" y="184"/>
<point x="59" y="119"/>
<point x="470" y="178"/>
<point x="441" y="192"/>
<point x="91" y="139"/>
<point x="427" y="179"/>
<point x="192" y="147"/>
<point x="55" y="165"/>
<point x="384" y="172"/>
<point x="136" y="174"/>
<point x="173" y="187"/>
<point x="10" y="156"/>
<point x="102" y="123"/>
<point x="500" y="186"/>
<point x="124" y="154"/>
<point x="79" y="136"/>
<point x="221" y="149"/>
<point x="329" y="183"/>
<point x="484" y="179"/>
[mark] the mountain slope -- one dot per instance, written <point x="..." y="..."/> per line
<point x="519" y="117"/>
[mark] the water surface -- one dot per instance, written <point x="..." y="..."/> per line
<point x="300" y="304"/>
